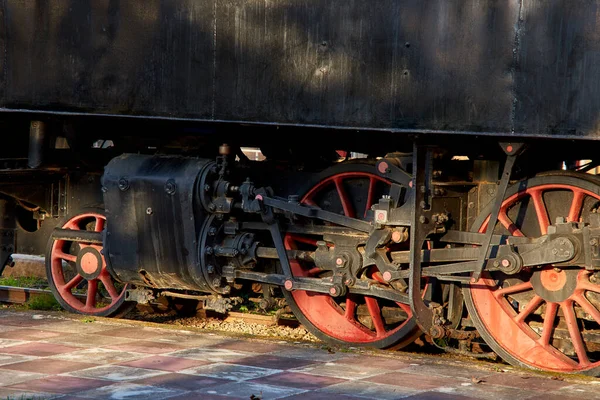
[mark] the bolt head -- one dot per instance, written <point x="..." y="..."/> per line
<point x="339" y="261"/>
<point x="288" y="285"/>
<point x="387" y="276"/>
<point x="505" y="263"/>
<point x="149" y="211"/>
<point x="333" y="291"/>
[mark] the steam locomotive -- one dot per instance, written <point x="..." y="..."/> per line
<point x="471" y="213"/>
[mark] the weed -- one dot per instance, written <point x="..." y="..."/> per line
<point x="24" y="281"/>
<point x="44" y="302"/>
<point x="88" y="320"/>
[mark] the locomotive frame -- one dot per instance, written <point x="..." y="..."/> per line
<point x="474" y="194"/>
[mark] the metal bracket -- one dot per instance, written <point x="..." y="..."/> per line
<point x="421" y="227"/>
<point x="58" y="197"/>
<point x="512" y="150"/>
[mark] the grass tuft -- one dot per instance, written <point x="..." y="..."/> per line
<point x="44" y="302"/>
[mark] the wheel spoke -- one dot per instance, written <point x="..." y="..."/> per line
<point x="72" y="283"/>
<point x="371" y="195"/>
<point x="548" y="327"/>
<point x="350" y="308"/>
<point x="106" y="279"/>
<point x="405" y="308"/>
<point x="310" y="202"/>
<point x="587" y="306"/>
<point x="576" y="205"/>
<point x="521" y="287"/>
<point x="586" y="285"/>
<point x="346" y="204"/>
<point x="375" y="313"/>
<point x="508" y="224"/>
<point x="540" y="210"/>
<point x="571" y="320"/>
<point x="65" y="256"/>
<point x="99" y="224"/>
<point x="90" y="301"/>
<point x="302" y="239"/>
<point x="531" y="307"/>
<point x="313" y="271"/>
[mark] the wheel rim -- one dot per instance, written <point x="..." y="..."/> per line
<point x="346" y="319"/>
<point x="78" y="271"/>
<point x="541" y="317"/>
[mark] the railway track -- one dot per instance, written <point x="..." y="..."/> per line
<point x="19" y="295"/>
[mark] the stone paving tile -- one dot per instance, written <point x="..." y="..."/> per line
<point x="273" y="362"/>
<point x="47" y="366"/>
<point x="202" y="396"/>
<point x="309" y="353"/>
<point x="230" y="371"/>
<point x="61" y="384"/>
<point x="127" y="390"/>
<point x="193" y="339"/>
<point x="134" y="333"/>
<point x="143" y="346"/>
<point x="10" y="342"/>
<point x="488" y="392"/>
<point x="254" y="347"/>
<point x="182" y="381"/>
<point x="319" y="396"/>
<point x="589" y="390"/>
<point x="369" y="390"/>
<point x="12" y="377"/>
<point x="72" y="327"/>
<point x="421" y="382"/>
<point x="211" y="354"/>
<point x="6" y="328"/>
<point x="116" y="373"/>
<point x="525" y="382"/>
<point x="84" y="340"/>
<point x="28" y="334"/>
<point x="298" y="380"/>
<point x="14" y="394"/>
<point x="343" y="371"/>
<point x="247" y="390"/>
<point x="437" y="396"/>
<point x="550" y="396"/>
<point x="99" y="356"/>
<point x="448" y="370"/>
<point x="39" y="349"/>
<point x="14" y="358"/>
<point x="163" y="363"/>
<point x="387" y="363"/>
<point x="28" y="321"/>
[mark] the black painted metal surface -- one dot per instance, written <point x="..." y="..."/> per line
<point x="489" y="66"/>
<point x="151" y="237"/>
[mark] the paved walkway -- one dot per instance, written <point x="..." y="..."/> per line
<point x="44" y="356"/>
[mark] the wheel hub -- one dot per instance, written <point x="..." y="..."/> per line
<point x="89" y="263"/>
<point x="554" y="285"/>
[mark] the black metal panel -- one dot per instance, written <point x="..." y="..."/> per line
<point x="488" y="66"/>
<point x="106" y="56"/>
<point x="558" y="68"/>
<point x="152" y="222"/>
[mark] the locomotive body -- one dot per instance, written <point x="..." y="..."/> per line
<point x="512" y="68"/>
<point x="470" y="214"/>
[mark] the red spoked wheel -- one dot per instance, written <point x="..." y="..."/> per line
<point x="77" y="272"/>
<point x="349" y="189"/>
<point x="545" y="318"/>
